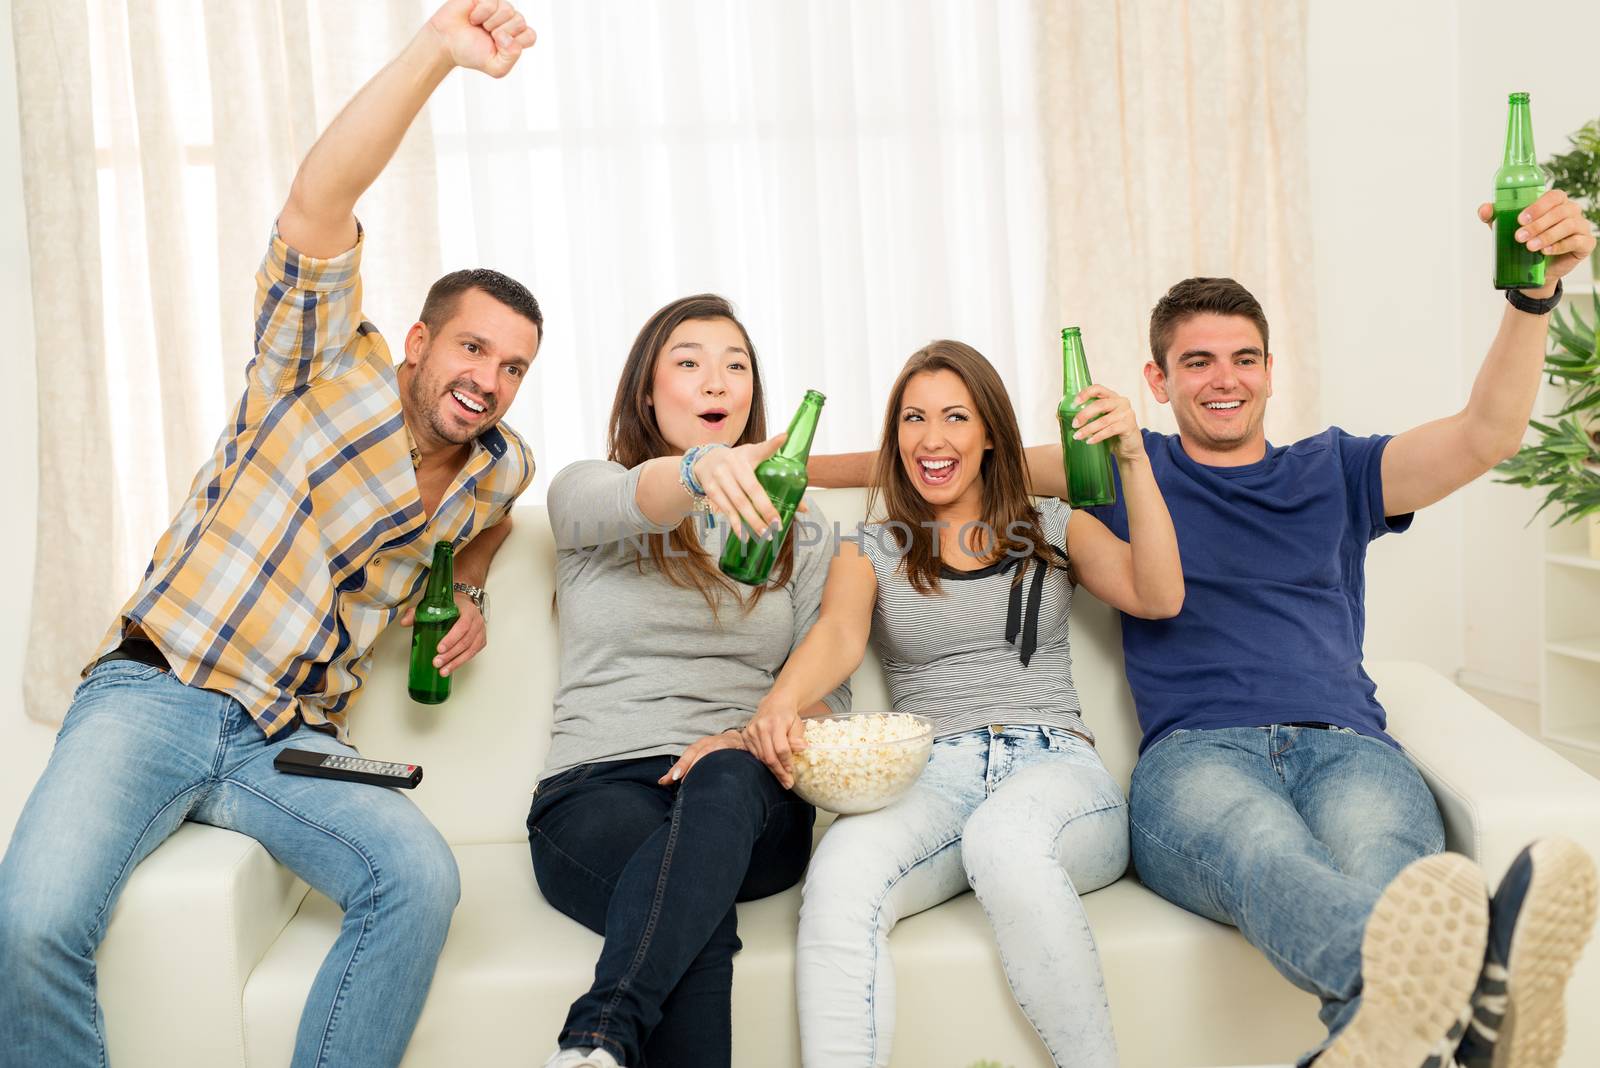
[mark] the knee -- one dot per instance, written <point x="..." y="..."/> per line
<point x="727" y="779"/>
<point x="36" y="929"/>
<point x="994" y="844"/>
<point x="725" y="772"/>
<point x="425" y="886"/>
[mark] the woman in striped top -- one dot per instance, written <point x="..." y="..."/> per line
<point x="965" y="589"/>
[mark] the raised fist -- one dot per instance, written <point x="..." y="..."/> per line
<point x="486" y="35"/>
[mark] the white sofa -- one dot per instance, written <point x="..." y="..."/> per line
<point x="212" y="949"/>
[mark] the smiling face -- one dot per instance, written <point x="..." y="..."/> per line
<point x="942" y="441"/>
<point x="1218" y="379"/>
<point x="702" y="384"/>
<point x="458" y="381"/>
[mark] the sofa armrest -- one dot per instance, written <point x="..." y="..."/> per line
<point x="192" y="923"/>
<point x="1497" y="787"/>
<point x="1498" y="790"/>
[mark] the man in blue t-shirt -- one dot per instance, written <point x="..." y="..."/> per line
<point x="1267" y="793"/>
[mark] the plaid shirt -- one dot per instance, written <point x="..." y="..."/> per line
<point x="304" y="534"/>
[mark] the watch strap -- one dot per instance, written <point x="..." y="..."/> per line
<point x="1533" y="305"/>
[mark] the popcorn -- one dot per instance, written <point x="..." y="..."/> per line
<point x="861" y="761"/>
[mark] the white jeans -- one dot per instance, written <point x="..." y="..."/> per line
<point x="1029" y="818"/>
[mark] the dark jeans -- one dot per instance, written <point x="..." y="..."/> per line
<point x="656" y="869"/>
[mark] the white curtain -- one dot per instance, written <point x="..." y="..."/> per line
<point x="1175" y="145"/>
<point x="858" y="178"/>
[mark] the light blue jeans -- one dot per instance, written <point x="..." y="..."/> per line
<point x="1028" y="818"/>
<point x="138" y="754"/>
<point x="1287" y="833"/>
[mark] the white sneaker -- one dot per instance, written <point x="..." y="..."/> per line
<point x="1420" y="959"/>
<point x="578" y="1058"/>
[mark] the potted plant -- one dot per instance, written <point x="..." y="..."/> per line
<point x="1565" y="460"/>
<point x="1578" y="173"/>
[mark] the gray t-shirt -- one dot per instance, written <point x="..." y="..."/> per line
<point x="645" y="670"/>
<point x="956" y="656"/>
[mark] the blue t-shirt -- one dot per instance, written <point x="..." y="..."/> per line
<point x="1274" y="570"/>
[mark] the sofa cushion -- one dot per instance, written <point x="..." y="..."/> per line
<point x="1183" y="990"/>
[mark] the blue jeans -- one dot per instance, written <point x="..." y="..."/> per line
<point x="1029" y="819"/>
<point x="1287" y="833"/>
<point x="656" y="870"/>
<point x="138" y="754"/>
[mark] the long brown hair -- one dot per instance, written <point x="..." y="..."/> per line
<point x="1007" y="510"/>
<point x="634" y="436"/>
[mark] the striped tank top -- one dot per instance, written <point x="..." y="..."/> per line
<point x="983" y="650"/>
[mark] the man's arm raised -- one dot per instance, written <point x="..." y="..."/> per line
<point x="319" y="217"/>
<point x="840" y="469"/>
<point x="1046" y="477"/>
<point x="1429" y="462"/>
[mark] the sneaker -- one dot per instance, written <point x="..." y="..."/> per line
<point x="581" y="1058"/>
<point x="1538" y="923"/>
<point x="1420" y="959"/>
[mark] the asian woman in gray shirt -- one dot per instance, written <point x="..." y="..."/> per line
<point x="651" y="819"/>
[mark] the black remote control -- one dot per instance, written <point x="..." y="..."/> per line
<point x="349" y="768"/>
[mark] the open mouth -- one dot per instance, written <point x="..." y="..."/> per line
<point x="1223" y="407"/>
<point x="468" y="406"/>
<point x="937" y="470"/>
<point x="715" y="417"/>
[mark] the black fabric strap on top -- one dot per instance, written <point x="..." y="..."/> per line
<point x="1025" y="618"/>
<point x="1030" y="625"/>
<point x="1014" y="612"/>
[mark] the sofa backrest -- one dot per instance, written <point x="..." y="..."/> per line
<point x="481" y="751"/>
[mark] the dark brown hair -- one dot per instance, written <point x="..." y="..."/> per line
<point x="1201" y="296"/>
<point x="1007" y="509"/>
<point x="633" y="436"/>
<point x="445" y="294"/>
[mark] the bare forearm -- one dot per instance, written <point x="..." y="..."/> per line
<point x="1046" y="475"/>
<point x="472" y="563"/>
<point x="318" y="218"/>
<point x="1507" y="385"/>
<point x="660" y="494"/>
<point x="1157" y="570"/>
<point x="827" y="656"/>
<point x="840" y="469"/>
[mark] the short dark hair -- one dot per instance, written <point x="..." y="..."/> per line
<point x="1201" y="296"/>
<point x="445" y="294"/>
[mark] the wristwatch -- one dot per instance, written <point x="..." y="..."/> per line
<point x="477" y="595"/>
<point x="1534" y="305"/>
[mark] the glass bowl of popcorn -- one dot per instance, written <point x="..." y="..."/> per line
<point x="861" y="761"/>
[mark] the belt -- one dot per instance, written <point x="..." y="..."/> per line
<point x="1313" y="726"/>
<point x="140" y="649"/>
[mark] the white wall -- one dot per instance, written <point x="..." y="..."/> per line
<point x="1500" y="555"/>
<point x="1407" y="116"/>
<point x="1388" y="225"/>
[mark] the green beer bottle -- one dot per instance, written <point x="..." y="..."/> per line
<point x="1519" y="182"/>
<point x="1088" y="466"/>
<point x="783" y="476"/>
<point x="436" y="614"/>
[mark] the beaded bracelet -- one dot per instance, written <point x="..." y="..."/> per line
<point x="687" y="480"/>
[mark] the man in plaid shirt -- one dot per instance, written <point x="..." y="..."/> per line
<point x="304" y="535"/>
